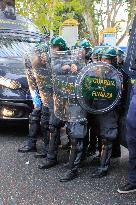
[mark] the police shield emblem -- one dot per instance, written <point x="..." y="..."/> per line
<point x="99" y="87"/>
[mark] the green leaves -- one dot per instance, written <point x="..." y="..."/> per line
<point x="91" y="14"/>
<point x="51" y="13"/>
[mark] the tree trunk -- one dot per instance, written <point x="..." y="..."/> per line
<point x="108" y="12"/>
<point x="121" y="39"/>
<point x="89" y="22"/>
<point x="125" y="32"/>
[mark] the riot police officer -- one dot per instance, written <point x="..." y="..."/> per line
<point x="90" y="139"/>
<point x="120" y="57"/>
<point x="38" y="115"/>
<point x="57" y="44"/>
<point x="75" y="129"/>
<point x="96" y="55"/>
<point x="42" y="72"/>
<point x="86" y="45"/>
<point x="94" y="141"/>
<point x="34" y="118"/>
<point x="108" y="124"/>
<point x="76" y="124"/>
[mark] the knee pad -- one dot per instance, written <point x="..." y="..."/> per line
<point x="35" y="116"/>
<point x="107" y="144"/>
<point x="77" y="144"/>
<point x="44" y="126"/>
<point x="74" y="142"/>
<point x="44" y="121"/>
<point x="77" y="130"/>
<point x="80" y="144"/>
<point x="45" y="112"/>
<point x="52" y="128"/>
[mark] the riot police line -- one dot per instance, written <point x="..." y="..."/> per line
<point x="83" y="99"/>
<point x="78" y="89"/>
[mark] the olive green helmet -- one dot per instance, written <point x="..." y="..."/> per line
<point x="59" y="41"/>
<point x="41" y="47"/>
<point x="120" y="52"/>
<point x="85" y="43"/>
<point x="97" y="51"/>
<point x="109" y="53"/>
<point x="52" y="39"/>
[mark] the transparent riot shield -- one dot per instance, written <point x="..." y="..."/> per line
<point x="42" y="72"/>
<point x="65" y="68"/>
<point x="99" y="87"/>
<point x="31" y="81"/>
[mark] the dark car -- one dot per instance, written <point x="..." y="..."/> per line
<point x="17" y="36"/>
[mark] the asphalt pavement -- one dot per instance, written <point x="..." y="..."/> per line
<point x="22" y="183"/>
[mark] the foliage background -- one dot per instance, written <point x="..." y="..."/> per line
<point x="93" y="15"/>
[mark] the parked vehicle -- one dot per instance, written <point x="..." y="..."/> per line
<point x="17" y="35"/>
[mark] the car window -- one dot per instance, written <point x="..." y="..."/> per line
<point x="12" y="51"/>
<point x="14" y="48"/>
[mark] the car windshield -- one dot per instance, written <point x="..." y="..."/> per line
<point x="12" y="52"/>
<point x="15" y="46"/>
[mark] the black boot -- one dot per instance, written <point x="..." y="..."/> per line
<point x="74" y="160"/>
<point x="44" y="151"/>
<point x="45" y="133"/>
<point x="51" y="159"/>
<point x="102" y="170"/>
<point x="48" y="163"/>
<point x="116" y="148"/>
<point x="84" y="151"/>
<point x="97" y="157"/>
<point x="34" y="125"/>
<point x="30" y="146"/>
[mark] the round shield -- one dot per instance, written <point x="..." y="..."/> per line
<point x="99" y="87"/>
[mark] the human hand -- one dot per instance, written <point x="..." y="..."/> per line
<point x="73" y="68"/>
<point x="35" y="60"/>
<point x="43" y="57"/>
<point x="65" y="67"/>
